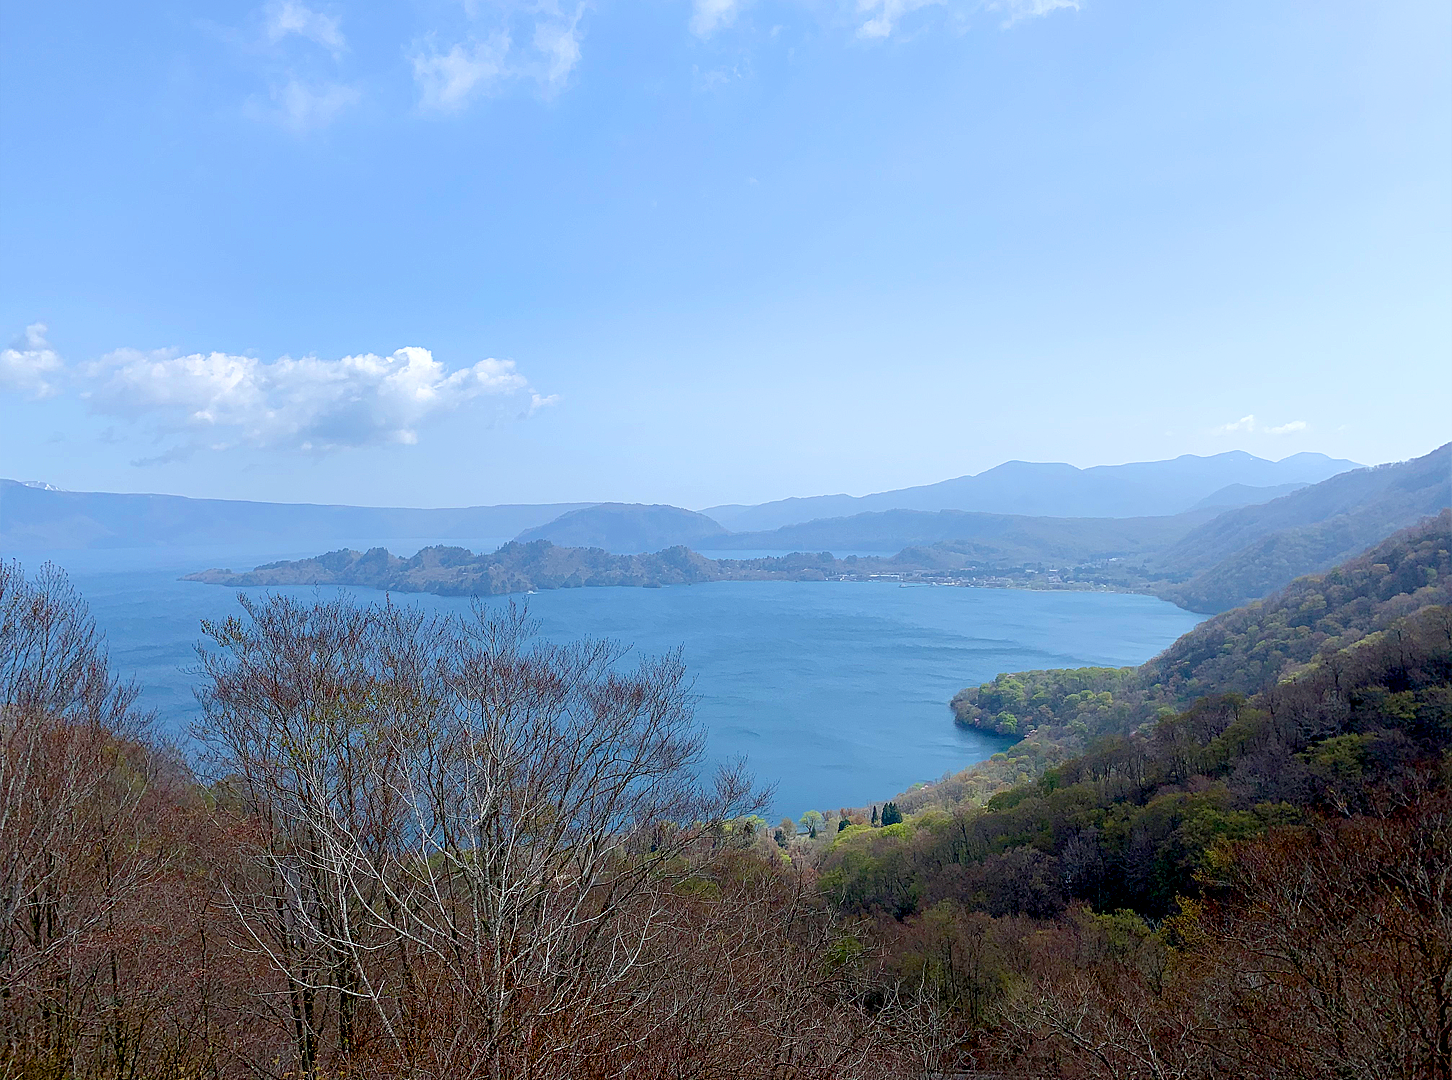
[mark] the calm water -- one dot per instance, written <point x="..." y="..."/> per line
<point x="837" y="692"/>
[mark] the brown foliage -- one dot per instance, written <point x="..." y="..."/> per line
<point x="1323" y="951"/>
<point x="431" y="849"/>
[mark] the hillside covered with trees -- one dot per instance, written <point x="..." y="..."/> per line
<point x="1247" y="553"/>
<point x="1242" y="651"/>
<point x="1234" y="862"/>
<point x="436" y="846"/>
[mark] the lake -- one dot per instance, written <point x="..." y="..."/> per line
<point x="837" y="692"/>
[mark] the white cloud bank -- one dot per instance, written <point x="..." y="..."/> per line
<point x="31" y="367"/>
<point x="1249" y="425"/>
<point x="220" y="401"/>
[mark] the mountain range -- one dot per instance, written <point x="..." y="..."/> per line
<point x="40" y="517"/>
<point x="1206" y="560"/>
<point x="1050" y="489"/>
<point x="35" y="517"/>
<point x="1220" y="542"/>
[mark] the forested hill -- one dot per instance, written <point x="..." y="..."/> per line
<point x="519" y="567"/>
<point x="1242" y="886"/>
<point x="1247" y="553"/>
<point x="1245" y="651"/>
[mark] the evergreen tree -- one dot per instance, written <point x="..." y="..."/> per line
<point x="874" y="817"/>
<point x="891" y="815"/>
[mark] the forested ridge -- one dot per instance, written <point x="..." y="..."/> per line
<point x="521" y="567"/>
<point x="1246" y="870"/>
<point x="1242" y="651"/>
<point x="1249" y="552"/>
<point x="439" y="847"/>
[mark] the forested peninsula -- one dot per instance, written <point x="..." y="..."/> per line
<point x="519" y="567"/>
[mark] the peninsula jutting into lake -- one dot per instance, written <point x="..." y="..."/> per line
<point x="539" y="565"/>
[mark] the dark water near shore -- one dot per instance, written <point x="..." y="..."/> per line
<point x="837" y="692"/>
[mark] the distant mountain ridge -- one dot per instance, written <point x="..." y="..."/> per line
<point x="1054" y="489"/>
<point x="1244" y="554"/>
<point x="995" y="537"/>
<point x="1206" y="560"/>
<point x="1233" y="496"/>
<point x="628" y="527"/>
<point x="34" y="517"/>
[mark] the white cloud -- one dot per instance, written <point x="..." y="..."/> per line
<point x="284" y="17"/>
<point x="32" y="367"/>
<point x="1244" y="424"/>
<point x="1016" y="10"/>
<point x="708" y="16"/>
<point x="447" y="80"/>
<point x="300" y="97"/>
<point x="882" y="17"/>
<point x="1249" y="425"/>
<point x="220" y="401"/>
<point x="1294" y="427"/>
<point x="888" y="13"/>
<point x="541" y="401"/>
<point x="302" y="107"/>
<point x="558" y="42"/>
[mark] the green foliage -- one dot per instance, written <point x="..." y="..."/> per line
<point x="891" y="815"/>
<point x="1139" y="817"/>
<point x="1312" y="622"/>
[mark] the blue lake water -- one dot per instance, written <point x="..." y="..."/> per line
<point x="836" y="692"/>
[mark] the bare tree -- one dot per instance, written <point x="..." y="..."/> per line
<point x="454" y="811"/>
<point x="73" y="803"/>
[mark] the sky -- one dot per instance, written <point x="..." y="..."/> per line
<point x="437" y="253"/>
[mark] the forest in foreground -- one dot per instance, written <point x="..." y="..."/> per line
<point x="438" y="847"/>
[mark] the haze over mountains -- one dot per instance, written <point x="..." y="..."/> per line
<point x="35" y="518"/>
<point x="1043" y="489"/>
<point x="1220" y="542"/>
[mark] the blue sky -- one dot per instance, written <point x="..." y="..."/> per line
<point x="443" y="253"/>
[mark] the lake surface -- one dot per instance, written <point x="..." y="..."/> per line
<point x="837" y="692"/>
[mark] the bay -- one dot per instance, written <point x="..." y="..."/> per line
<point x="837" y="692"/>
